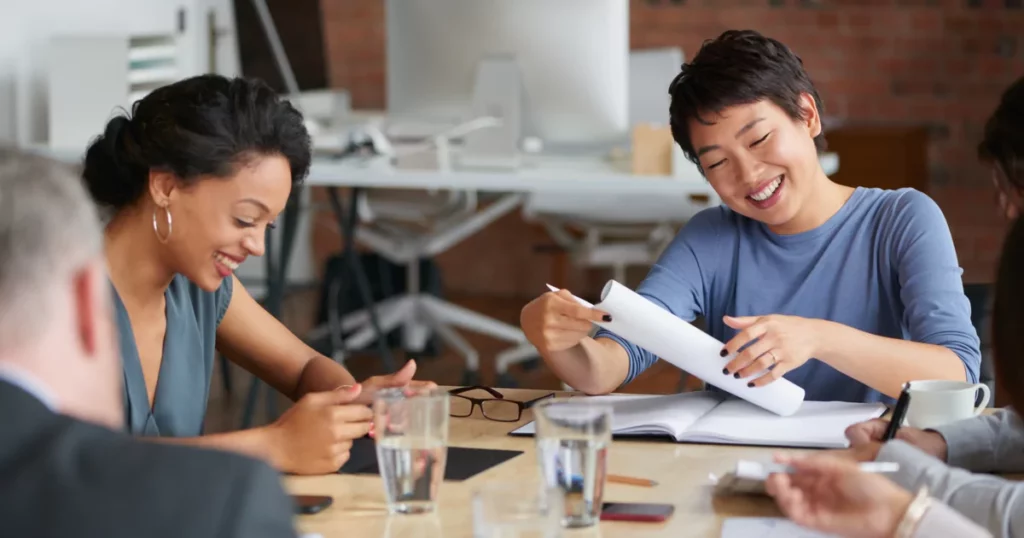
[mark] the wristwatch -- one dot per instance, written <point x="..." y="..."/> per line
<point x="912" y="517"/>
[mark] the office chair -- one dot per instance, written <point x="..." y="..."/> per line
<point x="616" y="232"/>
<point x="406" y="227"/>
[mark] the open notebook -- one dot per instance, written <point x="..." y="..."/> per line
<point x="712" y="417"/>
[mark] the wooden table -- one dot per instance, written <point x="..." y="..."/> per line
<point x="681" y="470"/>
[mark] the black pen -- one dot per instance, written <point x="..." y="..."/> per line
<point x="898" y="413"/>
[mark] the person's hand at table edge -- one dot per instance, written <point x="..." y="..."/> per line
<point x="872" y="431"/>
<point x="402" y="378"/>
<point x="314" y="436"/>
<point x="830" y="494"/>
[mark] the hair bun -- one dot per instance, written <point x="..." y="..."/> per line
<point x="112" y="171"/>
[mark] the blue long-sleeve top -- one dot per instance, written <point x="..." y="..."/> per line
<point x="884" y="264"/>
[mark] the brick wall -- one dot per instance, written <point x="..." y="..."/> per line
<point x="942" y="63"/>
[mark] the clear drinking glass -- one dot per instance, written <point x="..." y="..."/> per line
<point x="411" y="432"/>
<point x="572" y="448"/>
<point x="517" y="510"/>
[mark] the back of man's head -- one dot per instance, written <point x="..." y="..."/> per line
<point x="55" y="314"/>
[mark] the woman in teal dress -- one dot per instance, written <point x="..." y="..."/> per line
<point x="191" y="181"/>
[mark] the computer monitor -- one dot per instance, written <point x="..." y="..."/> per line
<point x="572" y="55"/>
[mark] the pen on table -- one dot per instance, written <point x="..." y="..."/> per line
<point x="577" y="481"/>
<point x="619" y="479"/>
<point x="865" y="467"/>
<point x="898" y="414"/>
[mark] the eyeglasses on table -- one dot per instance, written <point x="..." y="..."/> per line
<point x="496" y="407"/>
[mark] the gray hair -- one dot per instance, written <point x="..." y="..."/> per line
<point x="49" y="229"/>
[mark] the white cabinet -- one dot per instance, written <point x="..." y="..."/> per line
<point x="91" y="78"/>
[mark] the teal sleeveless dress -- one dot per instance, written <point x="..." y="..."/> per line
<point x="183" y="387"/>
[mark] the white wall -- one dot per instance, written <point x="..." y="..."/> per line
<point x="27" y="25"/>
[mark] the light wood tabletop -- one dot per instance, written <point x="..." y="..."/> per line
<point x="681" y="470"/>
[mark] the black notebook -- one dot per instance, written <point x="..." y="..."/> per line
<point x="463" y="463"/>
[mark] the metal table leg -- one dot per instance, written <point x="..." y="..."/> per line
<point x="347" y="222"/>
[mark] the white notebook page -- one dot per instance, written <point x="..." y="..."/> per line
<point x="815" y="424"/>
<point x="672" y="414"/>
<point x="644" y="413"/>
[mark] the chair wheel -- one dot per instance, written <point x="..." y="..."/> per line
<point x="470" y="378"/>
<point x="507" y="381"/>
<point x="530" y="365"/>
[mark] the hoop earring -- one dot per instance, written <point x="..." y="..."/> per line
<point x="156" y="229"/>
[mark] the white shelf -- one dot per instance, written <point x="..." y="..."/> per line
<point x="152" y="75"/>
<point x="89" y="75"/>
<point x="167" y="52"/>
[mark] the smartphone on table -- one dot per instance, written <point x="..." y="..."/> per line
<point x="645" y="512"/>
<point x="311" y="504"/>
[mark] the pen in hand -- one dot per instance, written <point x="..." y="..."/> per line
<point x="865" y="467"/>
<point x="898" y="414"/>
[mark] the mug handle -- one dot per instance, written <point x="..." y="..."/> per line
<point x="985" y="395"/>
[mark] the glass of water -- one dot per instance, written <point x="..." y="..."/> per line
<point x="411" y="432"/>
<point x="517" y="510"/>
<point x="572" y="446"/>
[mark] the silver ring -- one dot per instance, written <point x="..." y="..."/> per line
<point x="774" y="360"/>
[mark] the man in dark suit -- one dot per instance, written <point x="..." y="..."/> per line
<point x="66" y="469"/>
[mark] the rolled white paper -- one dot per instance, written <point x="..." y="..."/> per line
<point x="674" y="340"/>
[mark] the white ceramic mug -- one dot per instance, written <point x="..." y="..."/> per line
<point x="934" y="403"/>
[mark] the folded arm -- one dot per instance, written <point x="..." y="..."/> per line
<point x="886" y="363"/>
<point x="941" y="342"/>
<point x="940" y="520"/>
<point x="989" y="443"/>
<point x="256" y="443"/>
<point x="994" y="503"/>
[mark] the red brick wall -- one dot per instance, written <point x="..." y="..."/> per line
<point x="942" y="63"/>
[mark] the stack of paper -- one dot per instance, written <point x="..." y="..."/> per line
<point x="767" y="527"/>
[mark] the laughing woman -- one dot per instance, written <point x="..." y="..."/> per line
<point x="191" y="182"/>
<point x="846" y="292"/>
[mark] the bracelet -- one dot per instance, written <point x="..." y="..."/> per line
<point x="912" y="517"/>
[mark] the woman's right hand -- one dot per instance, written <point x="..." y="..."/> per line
<point x="872" y="431"/>
<point x="556" y="322"/>
<point x="314" y="436"/>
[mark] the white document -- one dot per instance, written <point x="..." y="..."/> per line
<point x="713" y="417"/>
<point x="767" y="527"/>
<point x="674" y="340"/>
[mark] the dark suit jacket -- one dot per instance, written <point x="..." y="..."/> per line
<point x="64" y="477"/>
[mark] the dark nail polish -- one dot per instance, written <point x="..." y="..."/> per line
<point x="736" y="375"/>
<point x="751" y="384"/>
<point x="724" y="352"/>
<point x="725" y="371"/>
<point x="607" y="317"/>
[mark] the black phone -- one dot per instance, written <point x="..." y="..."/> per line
<point x="636" y="512"/>
<point x="311" y="504"/>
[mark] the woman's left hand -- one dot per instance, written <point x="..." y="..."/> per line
<point x="402" y="378"/>
<point x="777" y="344"/>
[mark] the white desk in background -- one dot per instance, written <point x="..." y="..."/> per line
<point x="577" y="188"/>
<point x="581" y="188"/>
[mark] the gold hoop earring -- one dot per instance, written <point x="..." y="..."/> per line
<point x="156" y="229"/>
